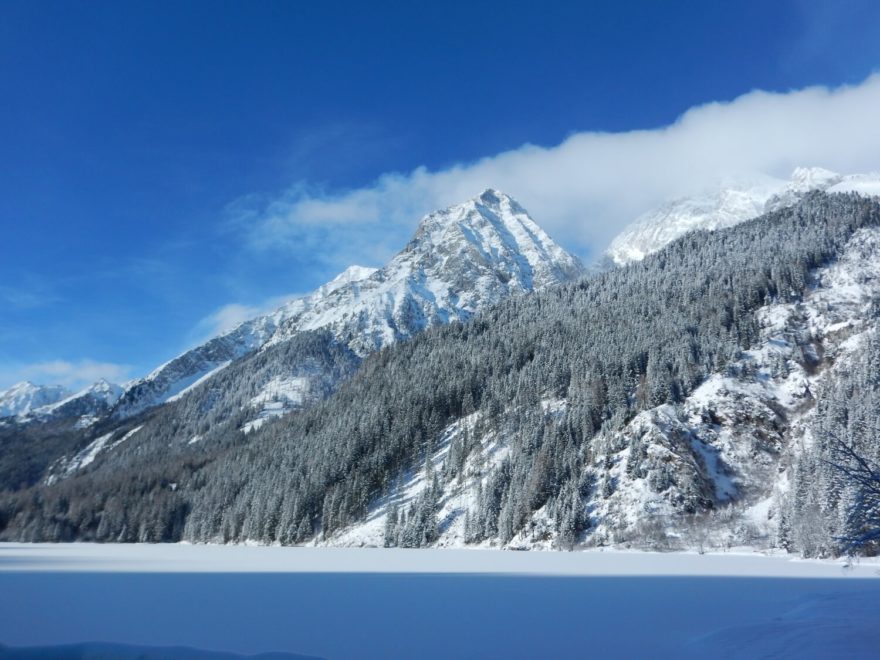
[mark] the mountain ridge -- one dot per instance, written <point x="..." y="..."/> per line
<point x="460" y="260"/>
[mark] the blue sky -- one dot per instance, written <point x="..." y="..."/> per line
<point x="160" y="163"/>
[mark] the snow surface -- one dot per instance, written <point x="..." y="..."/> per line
<point x="394" y="604"/>
<point x="86" y="421"/>
<point x="184" y="385"/>
<point x="291" y="390"/>
<point x="89" y="454"/>
<point x="188" y="558"/>
<point x="128" y="435"/>
<point x="66" y="466"/>
<point x="280" y="395"/>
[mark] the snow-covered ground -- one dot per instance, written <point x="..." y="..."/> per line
<point x="376" y="603"/>
<point x="187" y="558"/>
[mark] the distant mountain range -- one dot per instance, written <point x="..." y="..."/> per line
<point x="22" y="398"/>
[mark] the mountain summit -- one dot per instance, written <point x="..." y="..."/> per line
<point x="460" y="260"/>
<point x="24" y="397"/>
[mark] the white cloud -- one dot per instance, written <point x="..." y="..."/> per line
<point x="72" y="374"/>
<point x="586" y="189"/>
<point x="229" y="316"/>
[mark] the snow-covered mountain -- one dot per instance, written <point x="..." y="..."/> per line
<point x="88" y="405"/>
<point x="43" y="403"/>
<point x="733" y="202"/>
<point x="24" y="397"/>
<point x="460" y="260"/>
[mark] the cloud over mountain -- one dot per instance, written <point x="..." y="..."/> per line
<point x="586" y="189"/>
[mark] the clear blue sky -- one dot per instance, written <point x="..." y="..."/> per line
<point x="128" y="129"/>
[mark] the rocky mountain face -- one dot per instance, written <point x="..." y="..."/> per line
<point x="740" y="432"/>
<point x="87" y="406"/>
<point x="40" y="432"/>
<point x="732" y="203"/>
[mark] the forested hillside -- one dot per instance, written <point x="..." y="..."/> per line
<point x="531" y="423"/>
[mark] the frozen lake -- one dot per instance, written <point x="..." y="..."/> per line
<point x="346" y="603"/>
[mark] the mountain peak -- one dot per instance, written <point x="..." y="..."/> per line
<point x="104" y="389"/>
<point x="25" y="396"/>
<point x="491" y="232"/>
<point x="492" y="197"/>
<point x="21" y="386"/>
<point x="56" y="402"/>
<point x="812" y="178"/>
<point x="460" y="260"/>
<point x="490" y="201"/>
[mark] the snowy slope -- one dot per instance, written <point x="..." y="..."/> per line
<point x="101" y="392"/>
<point x="173" y="379"/>
<point x="66" y="466"/>
<point x="459" y="261"/>
<point x="732" y="203"/>
<point x="24" y="397"/>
